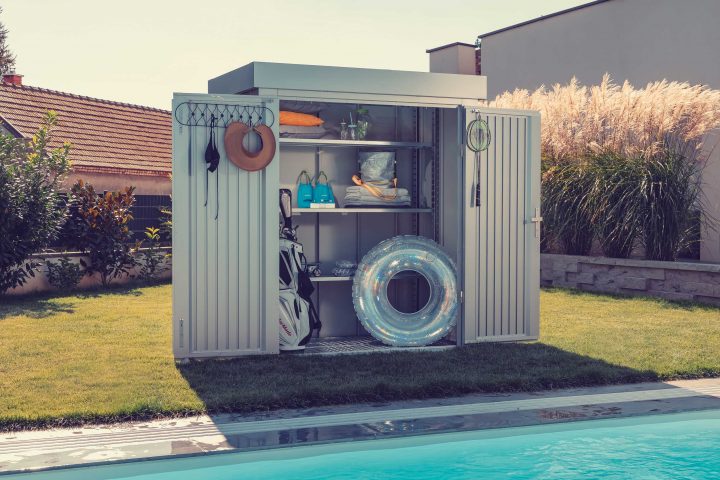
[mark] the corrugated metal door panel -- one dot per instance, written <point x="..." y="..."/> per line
<point x="225" y="268"/>
<point x="181" y="243"/>
<point x="532" y="229"/>
<point x="512" y="220"/>
<point x="501" y="250"/>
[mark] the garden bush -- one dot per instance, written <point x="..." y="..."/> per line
<point x="151" y="260"/>
<point x="64" y="274"/>
<point x="670" y="199"/>
<point x="98" y="227"/>
<point x="31" y="206"/>
<point x="622" y="165"/>
<point x="566" y="196"/>
<point x="616" y="203"/>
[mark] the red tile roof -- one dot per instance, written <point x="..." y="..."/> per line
<point x="106" y="137"/>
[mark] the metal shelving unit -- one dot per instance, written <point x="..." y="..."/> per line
<point x="417" y="149"/>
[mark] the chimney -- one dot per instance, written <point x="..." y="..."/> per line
<point x="12" y="78"/>
<point x="456" y="57"/>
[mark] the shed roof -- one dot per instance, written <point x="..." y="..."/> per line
<point x="106" y="136"/>
<point x="543" y="17"/>
<point x="317" y="78"/>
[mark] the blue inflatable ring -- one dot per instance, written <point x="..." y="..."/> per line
<point x="390" y="257"/>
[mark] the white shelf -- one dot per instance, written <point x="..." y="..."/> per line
<point x="320" y="142"/>
<point x="345" y="211"/>
<point x="331" y="278"/>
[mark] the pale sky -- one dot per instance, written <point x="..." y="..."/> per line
<point x="142" y="51"/>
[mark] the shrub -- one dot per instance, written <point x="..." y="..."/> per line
<point x="98" y="227"/>
<point x="152" y="258"/>
<point x="617" y="205"/>
<point x="671" y="200"/>
<point x="31" y="208"/>
<point x="64" y="274"/>
<point x="566" y="206"/>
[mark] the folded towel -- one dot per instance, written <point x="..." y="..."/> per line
<point x="374" y="201"/>
<point x="379" y="201"/>
<point x="384" y="191"/>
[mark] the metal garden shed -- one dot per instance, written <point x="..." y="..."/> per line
<point x="481" y="207"/>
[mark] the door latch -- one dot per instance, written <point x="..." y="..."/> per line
<point x="536" y="220"/>
<point x="182" y="333"/>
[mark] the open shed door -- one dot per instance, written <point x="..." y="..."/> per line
<point x="225" y="233"/>
<point x="501" y="271"/>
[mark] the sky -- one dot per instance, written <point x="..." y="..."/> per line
<point x="142" y="51"/>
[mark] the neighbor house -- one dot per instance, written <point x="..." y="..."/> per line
<point x="114" y="144"/>
<point x="637" y="40"/>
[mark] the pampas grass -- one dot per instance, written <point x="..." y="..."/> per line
<point x="617" y="119"/>
<point x="621" y="164"/>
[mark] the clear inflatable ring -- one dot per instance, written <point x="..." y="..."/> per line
<point x="384" y="322"/>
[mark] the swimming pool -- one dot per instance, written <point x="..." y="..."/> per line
<point x="654" y="447"/>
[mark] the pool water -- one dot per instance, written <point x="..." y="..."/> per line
<point x="659" y="447"/>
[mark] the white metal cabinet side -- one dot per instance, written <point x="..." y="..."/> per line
<point x="225" y="286"/>
<point x="501" y="249"/>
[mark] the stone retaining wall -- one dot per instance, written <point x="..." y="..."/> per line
<point x="39" y="283"/>
<point x="699" y="282"/>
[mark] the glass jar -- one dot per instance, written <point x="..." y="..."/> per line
<point x="344" y="130"/>
<point x="364" y="123"/>
<point x="352" y="132"/>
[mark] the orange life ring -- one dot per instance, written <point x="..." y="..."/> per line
<point x="235" y="150"/>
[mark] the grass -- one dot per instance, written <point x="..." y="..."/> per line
<point x="106" y="356"/>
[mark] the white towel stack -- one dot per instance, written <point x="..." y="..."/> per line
<point x="357" y="196"/>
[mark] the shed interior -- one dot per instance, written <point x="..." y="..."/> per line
<point x="413" y="134"/>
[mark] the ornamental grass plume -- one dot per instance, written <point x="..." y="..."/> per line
<point x="620" y="120"/>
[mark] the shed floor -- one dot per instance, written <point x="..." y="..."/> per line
<point x="345" y="345"/>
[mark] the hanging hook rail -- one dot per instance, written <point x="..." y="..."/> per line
<point x="199" y="114"/>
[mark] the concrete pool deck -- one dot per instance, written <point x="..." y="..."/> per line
<point x="31" y="450"/>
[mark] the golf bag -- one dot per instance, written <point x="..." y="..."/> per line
<point x="298" y="317"/>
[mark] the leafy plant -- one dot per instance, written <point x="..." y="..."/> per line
<point x="617" y="206"/>
<point x="64" y="274"/>
<point x="152" y="258"/>
<point x="567" y="206"/>
<point x="31" y="207"/>
<point x="671" y="200"/>
<point x="7" y="59"/>
<point x="99" y="227"/>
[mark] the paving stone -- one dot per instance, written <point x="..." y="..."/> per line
<point x="634" y="283"/>
<point x="581" y="277"/>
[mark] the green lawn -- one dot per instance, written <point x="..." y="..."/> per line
<point x="107" y="356"/>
